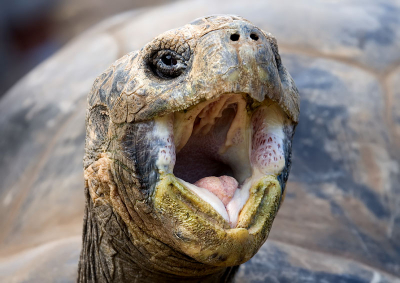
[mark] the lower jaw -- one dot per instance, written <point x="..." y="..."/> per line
<point x="200" y="232"/>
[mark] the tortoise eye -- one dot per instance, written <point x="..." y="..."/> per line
<point x="169" y="60"/>
<point x="168" y="64"/>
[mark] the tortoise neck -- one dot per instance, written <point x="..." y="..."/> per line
<point x="108" y="254"/>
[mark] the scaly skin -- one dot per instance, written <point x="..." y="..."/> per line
<point x="141" y="224"/>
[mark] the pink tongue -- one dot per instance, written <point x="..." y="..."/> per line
<point x="223" y="187"/>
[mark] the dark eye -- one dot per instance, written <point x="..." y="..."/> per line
<point x="168" y="64"/>
<point x="169" y="60"/>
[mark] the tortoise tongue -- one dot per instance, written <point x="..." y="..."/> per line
<point x="223" y="187"/>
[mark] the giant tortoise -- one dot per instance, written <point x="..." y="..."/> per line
<point x="340" y="218"/>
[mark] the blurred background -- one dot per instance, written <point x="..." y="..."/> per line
<point x="341" y="218"/>
<point x="32" y="30"/>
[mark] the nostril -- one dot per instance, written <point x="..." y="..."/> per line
<point x="254" y="36"/>
<point x="235" y="37"/>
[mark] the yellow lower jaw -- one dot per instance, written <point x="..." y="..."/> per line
<point x="198" y="231"/>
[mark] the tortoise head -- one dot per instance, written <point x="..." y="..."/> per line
<point x="188" y="145"/>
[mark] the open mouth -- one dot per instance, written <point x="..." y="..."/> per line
<point x="221" y="148"/>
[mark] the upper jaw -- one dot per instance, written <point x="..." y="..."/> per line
<point x="215" y="66"/>
<point x="229" y="135"/>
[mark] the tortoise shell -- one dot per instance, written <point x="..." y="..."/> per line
<point x="341" y="218"/>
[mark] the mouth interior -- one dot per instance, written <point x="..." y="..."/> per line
<point x="200" y="157"/>
<point x="222" y="149"/>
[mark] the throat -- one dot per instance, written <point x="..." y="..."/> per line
<point x="204" y="160"/>
<point x="214" y="162"/>
<point x="201" y="156"/>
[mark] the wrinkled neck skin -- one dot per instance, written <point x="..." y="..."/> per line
<point x="110" y="255"/>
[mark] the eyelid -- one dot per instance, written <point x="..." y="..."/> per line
<point x="161" y="53"/>
<point x="168" y="71"/>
